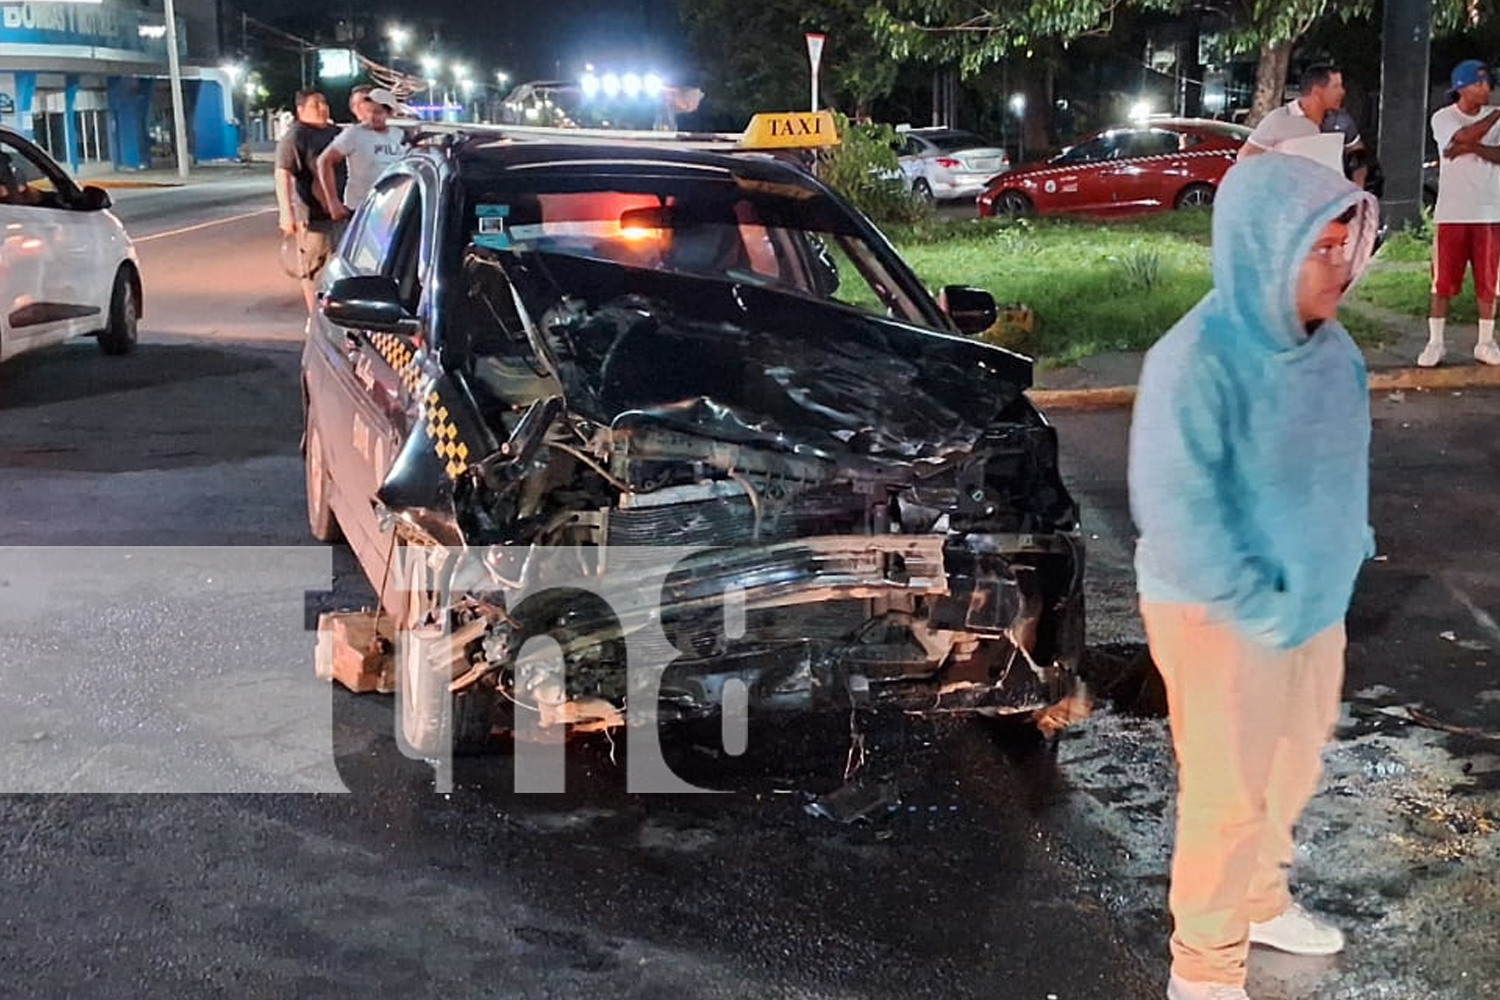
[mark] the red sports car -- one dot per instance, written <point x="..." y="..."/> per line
<point x="1145" y="166"/>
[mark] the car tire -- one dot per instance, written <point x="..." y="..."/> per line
<point x="120" y="334"/>
<point x="429" y="728"/>
<point x="321" y="520"/>
<point x="922" y="191"/>
<point x="1195" y="196"/>
<point x="1011" y="205"/>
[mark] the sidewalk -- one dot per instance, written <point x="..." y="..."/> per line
<point x="106" y="176"/>
<point x="1107" y="381"/>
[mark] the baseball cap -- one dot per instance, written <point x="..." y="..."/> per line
<point x="1468" y="73"/>
<point x="379" y="95"/>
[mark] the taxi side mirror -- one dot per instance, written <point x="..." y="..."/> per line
<point x="368" y="302"/>
<point x="972" y="310"/>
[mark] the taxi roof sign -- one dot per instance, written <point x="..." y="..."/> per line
<point x="791" y="130"/>
<point x="767" y="130"/>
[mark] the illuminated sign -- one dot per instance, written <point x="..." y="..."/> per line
<point x="791" y="130"/>
<point x="336" y="64"/>
<point x="82" y="24"/>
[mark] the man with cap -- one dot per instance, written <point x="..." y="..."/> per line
<point x="366" y="148"/>
<point x="1467" y="211"/>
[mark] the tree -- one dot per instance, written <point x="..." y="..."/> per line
<point x="974" y="33"/>
<point x="758" y="56"/>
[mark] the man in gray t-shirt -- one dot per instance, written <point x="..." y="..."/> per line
<point x="1322" y="90"/>
<point x="367" y="149"/>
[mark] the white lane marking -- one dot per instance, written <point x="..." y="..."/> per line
<point x="201" y="225"/>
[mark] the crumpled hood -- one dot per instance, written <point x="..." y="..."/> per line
<point x="1269" y="211"/>
<point x="748" y="364"/>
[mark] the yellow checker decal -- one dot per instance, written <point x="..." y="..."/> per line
<point x="444" y="436"/>
<point x="402" y="359"/>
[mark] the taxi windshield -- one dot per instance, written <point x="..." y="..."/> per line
<point x="717" y="227"/>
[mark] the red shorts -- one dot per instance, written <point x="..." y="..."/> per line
<point x="1460" y="244"/>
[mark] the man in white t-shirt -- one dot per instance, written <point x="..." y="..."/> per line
<point x="367" y="148"/>
<point x="1322" y="91"/>
<point x="1467" y="211"/>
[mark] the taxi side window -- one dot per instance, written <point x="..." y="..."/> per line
<point x="1102" y="148"/>
<point x="405" y="259"/>
<point x="1153" y="142"/>
<point x="368" y="248"/>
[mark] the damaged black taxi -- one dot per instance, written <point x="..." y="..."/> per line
<point x="531" y="350"/>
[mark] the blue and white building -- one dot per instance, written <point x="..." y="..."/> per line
<point x="89" y="81"/>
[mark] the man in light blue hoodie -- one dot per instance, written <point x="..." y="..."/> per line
<point x="1249" y="484"/>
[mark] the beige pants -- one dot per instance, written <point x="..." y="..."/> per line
<point x="1248" y="725"/>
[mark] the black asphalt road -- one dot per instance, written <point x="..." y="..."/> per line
<point x="975" y="881"/>
<point x="960" y="888"/>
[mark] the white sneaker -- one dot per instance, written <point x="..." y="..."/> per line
<point x="1431" y="354"/>
<point x="1182" y="989"/>
<point x="1296" y="932"/>
<point x="1487" y="352"/>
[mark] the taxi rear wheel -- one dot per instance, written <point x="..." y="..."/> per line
<point x="922" y="191"/>
<point x="1196" y="196"/>
<point x="120" y="335"/>
<point x="320" y="517"/>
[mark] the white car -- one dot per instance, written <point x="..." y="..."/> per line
<point x="940" y="164"/>
<point x="67" y="267"/>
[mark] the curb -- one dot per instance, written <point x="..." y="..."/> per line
<point x="1083" y="399"/>
<point x="115" y="184"/>
<point x="1387" y="380"/>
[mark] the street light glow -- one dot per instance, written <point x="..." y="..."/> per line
<point x="611" y="85"/>
<point x="431" y="65"/>
<point x="653" y="84"/>
<point x="589" y="84"/>
<point x="1018" y="103"/>
<point x="1140" y="109"/>
<point x="630" y="83"/>
<point x="398" y="36"/>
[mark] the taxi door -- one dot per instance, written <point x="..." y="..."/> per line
<point x="372" y="374"/>
<point x="1146" y="167"/>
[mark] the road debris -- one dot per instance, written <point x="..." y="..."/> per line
<point x="1471" y="644"/>
<point x="856" y="802"/>
<point x="351" y="651"/>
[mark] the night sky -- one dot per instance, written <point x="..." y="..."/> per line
<point x="529" y="40"/>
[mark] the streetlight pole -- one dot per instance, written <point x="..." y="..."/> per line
<point x="174" y="70"/>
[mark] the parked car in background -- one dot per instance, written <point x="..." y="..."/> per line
<point x="941" y="164"/>
<point x="67" y="268"/>
<point x="1145" y="166"/>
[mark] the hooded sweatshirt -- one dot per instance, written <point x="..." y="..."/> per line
<point x="1249" y="446"/>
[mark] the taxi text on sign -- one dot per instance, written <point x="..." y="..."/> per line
<point x="791" y="130"/>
